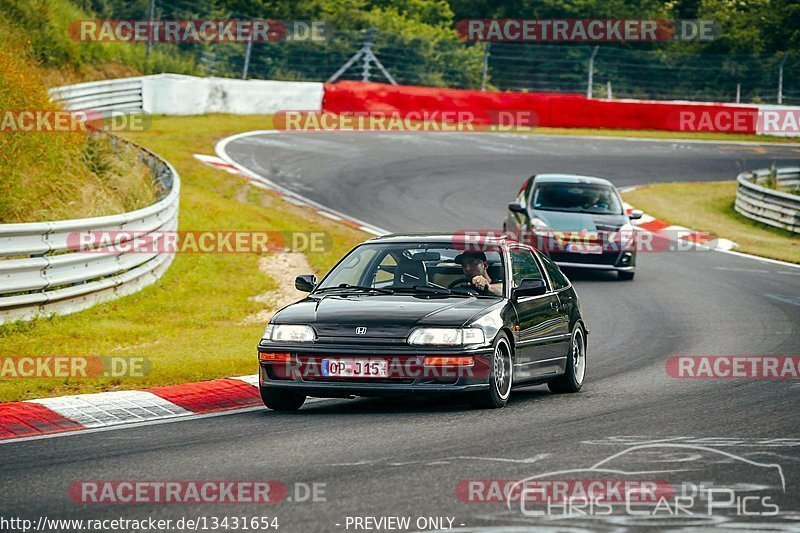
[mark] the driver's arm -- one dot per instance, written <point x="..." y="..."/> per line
<point x="495" y="288"/>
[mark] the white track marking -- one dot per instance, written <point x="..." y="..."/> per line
<point x="112" y="408"/>
<point x="219" y="148"/>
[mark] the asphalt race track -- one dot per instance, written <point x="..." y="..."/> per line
<point x="385" y="458"/>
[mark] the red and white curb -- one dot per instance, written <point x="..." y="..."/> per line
<point x="46" y="416"/>
<point x="700" y="239"/>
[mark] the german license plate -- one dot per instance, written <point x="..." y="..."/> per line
<point x="585" y="248"/>
<point x="355" y="368"/>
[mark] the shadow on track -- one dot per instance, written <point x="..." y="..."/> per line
<point x="582" y="274"/>
<point x="412" y="405"/>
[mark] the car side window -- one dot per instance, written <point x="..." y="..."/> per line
<point x="558" y="278"/>
<point x="523" y="266"/>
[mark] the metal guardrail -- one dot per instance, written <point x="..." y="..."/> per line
<point x="40" y="274"/>
<point x="109" y="96"/>
<point x="770" y="206"/>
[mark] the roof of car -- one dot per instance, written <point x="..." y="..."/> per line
<point x="489" y="237"/>
<point x="438" y="237"/>
<point x="570" y="178"/>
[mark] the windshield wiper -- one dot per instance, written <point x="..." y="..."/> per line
<point x="355" y="287"/>
<point x="430" y="289"/>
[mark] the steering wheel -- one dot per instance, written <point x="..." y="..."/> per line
<point x="465" y="283"/>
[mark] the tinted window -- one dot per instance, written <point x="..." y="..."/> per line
<point x="577" y="197"/>
<point x="403" y="265"/>
<point x="556" y="276"/>
<point x="523" y="266"/>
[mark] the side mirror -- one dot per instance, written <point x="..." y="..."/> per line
<point x="305" y="283"/>
<point x="636" y="214"/>
<point x="515" y="207"/>
<point x="529" y="287"/>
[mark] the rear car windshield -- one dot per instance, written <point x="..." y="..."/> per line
<point x="577" y="197"/>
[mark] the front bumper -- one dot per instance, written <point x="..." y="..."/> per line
<point x="622" y="261"/>
<point x="407" y="373"/>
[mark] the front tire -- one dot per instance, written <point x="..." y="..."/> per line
<point x="501" y="376"/>
<point x="572" y="379"/>
<point x="281" y="400"/>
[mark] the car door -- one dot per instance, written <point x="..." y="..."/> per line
<point x="540" y="347"/>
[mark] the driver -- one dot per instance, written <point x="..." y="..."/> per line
<point x="597" y="200"/>
<point x="476" y="269"/>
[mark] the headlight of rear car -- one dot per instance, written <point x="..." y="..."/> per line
<point x="289" y="333"/>
<point x="446" y="336"/>
<point x="627" y="236"/>
<point x="539" y="224"/>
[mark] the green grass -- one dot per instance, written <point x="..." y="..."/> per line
<point x="708" y="206"/>
<point x="188" y="323"/>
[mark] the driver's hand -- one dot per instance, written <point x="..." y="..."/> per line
<point x="479" y="282"/>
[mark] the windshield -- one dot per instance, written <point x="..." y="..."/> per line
<point x="577" y="197"/>
<point x="404" y="267"/>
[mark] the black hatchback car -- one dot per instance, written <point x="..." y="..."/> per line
<point x="578" y="221"/>
<point x="424" y="314"/>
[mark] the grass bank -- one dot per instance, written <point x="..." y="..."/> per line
<point x="708" y="206"/>
<point x="191" y="324"/>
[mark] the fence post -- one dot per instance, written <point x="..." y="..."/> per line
<point x="738" y="93"/>
<point x="247" y="53"/>
<point x="609" y="94"/>
<point x="150" y="34"/>
<point x="485" y="72"/>
<point x="364" y="53"/>
<point x="780" y="78"/>
<point x="591" y="72"/>
<point x="367" y="54"/>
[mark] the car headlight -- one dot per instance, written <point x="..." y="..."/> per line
<point x="627" y="236"/>
<point x="289" y="333"/>
<point x="539" y="224"/>
<point x="446" y="336"/>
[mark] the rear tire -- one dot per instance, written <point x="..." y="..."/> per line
<point x="625" y="276"/>
<point x="281" y="400"/>
<point x="501" y="376"/>
<point x="572" y="379"/>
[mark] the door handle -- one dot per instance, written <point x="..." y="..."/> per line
<point x="553" y="305"/>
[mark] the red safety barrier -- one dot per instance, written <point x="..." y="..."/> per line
<point x="539" y="109"/>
